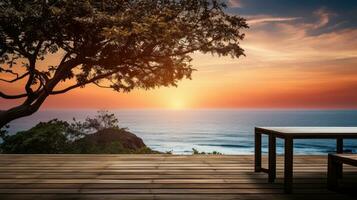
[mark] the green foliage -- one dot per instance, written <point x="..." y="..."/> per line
<point x="103" y="120"/>
<point x="215" y="153"/>
<point x="57" y="136"/>
<point x="3" y="131"/>
<point x="45" y="137"/>
<point x="196" y="152"/>
<point x="145" y="150"/>
<point x="86" y="147"/>
<point x="114" y="44"/>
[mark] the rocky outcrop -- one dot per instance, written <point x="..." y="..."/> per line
<point x="108" y="136"/>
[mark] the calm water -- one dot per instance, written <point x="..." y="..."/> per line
<point x="226" y="131"/>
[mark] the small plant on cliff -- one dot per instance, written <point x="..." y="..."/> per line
<point x="103" y="120"/>
<point x="196" y="152"/>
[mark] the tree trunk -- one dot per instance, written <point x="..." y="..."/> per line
<point x="20" y="111"/>
<point x="14" y="113"/>
<point x="28" y="108"/>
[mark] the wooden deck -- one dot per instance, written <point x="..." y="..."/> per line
<point x="160" y="177"/>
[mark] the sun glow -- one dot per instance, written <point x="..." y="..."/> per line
<point x="177" y="104"/>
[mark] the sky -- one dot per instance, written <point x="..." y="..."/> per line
<point x="299" y="54"/>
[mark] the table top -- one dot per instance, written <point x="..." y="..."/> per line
<point x="346" y="158"/>
<point x="310" y="132"/>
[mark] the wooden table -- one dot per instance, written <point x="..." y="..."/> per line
<point x="335" y="166"/>
<point x="289" y="134"/>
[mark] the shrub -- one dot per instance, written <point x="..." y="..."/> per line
<point x="100" y="134"/>
<point x="46" y="137"/>
<point x="195" y="152"/>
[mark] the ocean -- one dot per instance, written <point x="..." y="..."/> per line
<point x="228" y="131"/>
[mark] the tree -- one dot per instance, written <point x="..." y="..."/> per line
<point x="117" y="44"/>
<point x="103" y="120"/>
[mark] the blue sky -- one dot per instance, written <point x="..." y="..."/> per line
<point x="344" y="12"/>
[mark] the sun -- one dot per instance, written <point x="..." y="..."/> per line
<point x="177" y="104"/>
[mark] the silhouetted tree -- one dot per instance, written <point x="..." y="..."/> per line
<point x="103" y="120"/>
<point x="117" y="44"/>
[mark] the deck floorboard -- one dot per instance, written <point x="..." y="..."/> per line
<point x="163" y="177"/>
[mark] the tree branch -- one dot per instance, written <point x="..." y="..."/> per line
<point x="15" y="79"/>
<point x="31" y="77"/>
<point x="6" y="96"/>
<point x="9" y="71"/>
<point x="101" y="86"/>
<point x="32" y="69"/>
<point x="84" y="83"/>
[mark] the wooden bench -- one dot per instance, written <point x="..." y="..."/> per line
<point x="335" y="167"/>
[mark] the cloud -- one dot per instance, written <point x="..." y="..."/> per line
<point x="235" y="3"/>
<point x="291" y="39"/>
<point x="324" y="18"/>
<point x="268" y="19"/>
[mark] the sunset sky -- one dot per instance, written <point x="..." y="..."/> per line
<point x="299" y="54"/>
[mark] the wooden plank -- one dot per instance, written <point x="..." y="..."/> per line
<point x="161" y="191"/>
<point x="159" y="177"/>
<point x="178" y="196"/>
<point x="156" y="185"/>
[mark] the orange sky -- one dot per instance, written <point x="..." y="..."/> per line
<point x="285" y="67"/>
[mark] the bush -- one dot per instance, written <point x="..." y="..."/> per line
<point x="95" y="135"/>
<point x="46" y="137"/>
<point x="195" y="152"/>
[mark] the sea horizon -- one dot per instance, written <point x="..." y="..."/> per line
<point x="228" y="131"/>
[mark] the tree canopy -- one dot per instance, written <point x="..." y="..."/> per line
<point x="117" y="44"/>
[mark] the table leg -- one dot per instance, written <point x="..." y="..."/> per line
<point x="288" y="165"/>
<point x="339" y="149"/>
<point x="258" y="151"/>
<point x="332" y="173"/>
<point x="339" y="145"/>
<point x="272" y="158"/>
